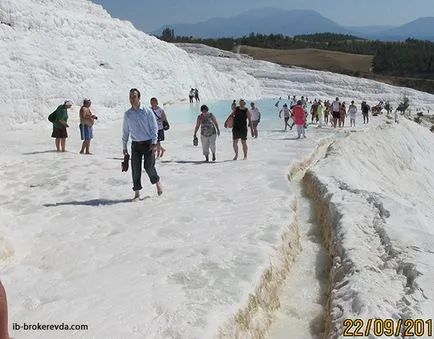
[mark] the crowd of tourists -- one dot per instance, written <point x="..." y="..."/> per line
<point x="323" y="112"/>
<point x="145" y="125"/>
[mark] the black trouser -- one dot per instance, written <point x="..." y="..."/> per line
<point x="366" y="117"/>
<point x="140" y="149"/>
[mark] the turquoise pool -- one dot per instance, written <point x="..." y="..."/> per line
<point x="187" y="113"/>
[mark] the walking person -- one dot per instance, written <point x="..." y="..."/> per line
<point x="365" y="112"/>
<point x="141" y="124"/>
<point x="342" y="115"/>
<point x="336" y="105"/>
<point x="299" y="117"/>
<point x="233" y="105"/>
<point x="286" y="116"/>
<point x="161" y="116"/>
<point x="256" y="118"/>
<point x="87" y="119"/>
<point x="352" y="110"/>
<point x="293" y="102"/>
<point x="196" y="95"/>
<point x="60" y="125"/>
<point x="320" y="113"/>
<point x="326" y="114"/>
<point x="314" y="111"/>
<point x="191" y="95"/>
<point x="209" y="130"/>
<point x="240" y="116"/>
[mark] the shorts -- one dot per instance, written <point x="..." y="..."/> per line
<point x="161" y="135"/>
<point x="86" y="132"/>
<point x="239" y="134"/>
<point x="59" y="133"/>
<point x="336" y="115"/>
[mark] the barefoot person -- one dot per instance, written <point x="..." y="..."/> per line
<point x="286" y="115"/>
<point x="365" y="112"/>
<point x="161" y="116"/>
<point x="60" y="125"/>
<point x="320" y="113"/>
<point x="256" y="118"/>
<point x="342" y="115"/>
<point x="299" y="118"/>
<point x="336" y="107"/>
<point x="4" y="333"/>
<point x="191" y="95"/>
<point x="352" y="110"/>
<point x="141" y="124"/>
<point x="209" y="129"/>
<point x="87" y="120"/>
<point x="240" y="117"/>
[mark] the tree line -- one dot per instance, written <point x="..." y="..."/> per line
<point x="409" y="58"/>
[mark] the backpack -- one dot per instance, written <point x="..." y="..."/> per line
<point x="52" y="117"/>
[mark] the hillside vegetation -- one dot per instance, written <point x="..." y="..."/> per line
<point x="407" y="63"/>
<point x="312" y="58"/>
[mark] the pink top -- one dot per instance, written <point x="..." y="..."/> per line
<point x="299" y="116"/>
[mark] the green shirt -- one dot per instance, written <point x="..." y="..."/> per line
<point x="61" y="115"/>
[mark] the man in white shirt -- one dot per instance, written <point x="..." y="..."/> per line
<point x="352" y="110"/>
<point x="141" y="124"/>
<point x="336" y="108"/>
<point x="255" y="117"/>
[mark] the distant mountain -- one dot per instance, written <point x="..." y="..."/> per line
<point x="296" y="22"/>
<point x="422" y="28"/>
<point x="369" y="29"/>
<point x="263" y="20"/>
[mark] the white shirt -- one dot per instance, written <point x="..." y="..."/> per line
<point x="352" y="110"/>
<point x="335" y="106"/>
<point x="159" y="112"/>
<point x="255" y="113"/>
<point x="286" y="112"/>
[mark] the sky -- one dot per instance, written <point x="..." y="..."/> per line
<point x="149" y="15"/>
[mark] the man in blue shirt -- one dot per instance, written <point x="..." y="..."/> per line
<point x="141" y="124"/>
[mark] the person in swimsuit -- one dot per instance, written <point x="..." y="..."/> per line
<point x="87" y="119"/>
<point x="240" y="116"/>
<point x="342" y="115"/>
<point x="286" y="116"/>
<point x="336" y="106"/>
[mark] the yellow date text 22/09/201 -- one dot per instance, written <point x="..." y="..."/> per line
<point x="388" y="327"/>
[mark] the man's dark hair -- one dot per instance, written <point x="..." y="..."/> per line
<point x="153" y="99"/>
<point x="135" y="90"/>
